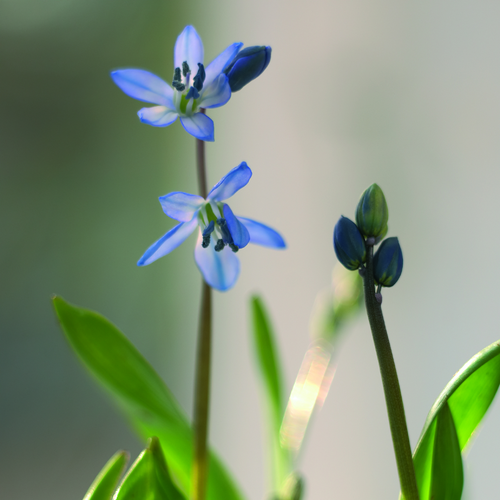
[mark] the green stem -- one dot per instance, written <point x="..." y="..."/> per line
<point x="202" y="377"/>
<point x="393" y="398"/>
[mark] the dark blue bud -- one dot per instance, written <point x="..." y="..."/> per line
<point x="349" y="244"/>
<point x="388" y="262"/>
<point x="247" y="65"/>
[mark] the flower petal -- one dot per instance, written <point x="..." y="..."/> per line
<point x="188" y="47"/>
<point x="168" y="242"/>
<point x="219" y="64"/>
<point x="144" y="86"/>
<point x="238" y="231"/>
<point x="181" y="206"/>
<point x="216" y="94"/>
<point x="219" y="269"/>
<point x="199" y="125"/>
<point x="260" y="234"/>
<point x="158" y="116"/>
<point x="231" y="183"/>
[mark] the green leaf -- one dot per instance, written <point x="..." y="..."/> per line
<point x="463" y="403"/>
<point x="270" y="369"/>
<point x="105" y="483"/>
<point x="148" y="478"/>
<point x="140" y="392"/>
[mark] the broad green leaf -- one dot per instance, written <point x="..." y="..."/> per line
<point x="466" y="399"/>
<point x="447" y="480"/>
<point x="105" y="483"/>
<point x="148" y="478"/>
<point x="140" y="392"/>
<point x="270" y="368"/>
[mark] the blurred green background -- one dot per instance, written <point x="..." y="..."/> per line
<point x="405" y="94"/>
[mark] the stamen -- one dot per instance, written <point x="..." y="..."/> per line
<point x="226" y="235"/>
<point x="176" y="82"/>
<point x="199" y="78"/>
<point x="219" y="245"/>
<point x="233" y="247"/>
<point x="193" y="93"/>
<point x="185" y="68"/>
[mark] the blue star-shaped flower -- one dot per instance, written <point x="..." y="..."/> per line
<point x="194" y="87"/>
<point x="221" y="233"/>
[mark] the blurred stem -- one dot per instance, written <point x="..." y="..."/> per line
<point x="393" y="398"/>
<point x="202" y="377"/>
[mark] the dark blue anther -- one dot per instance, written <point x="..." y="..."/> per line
<point x="199" y="78"/>
<point x="192" y="93"/>
<point x="185" y="68"/>
<point x="206" y="234"/>
<point x="177" y="83"/>
<point x="226" y="235"/>
<point x="233" y="247"/>
<point x="219" y="245"/>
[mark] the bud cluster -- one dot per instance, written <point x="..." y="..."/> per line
<point x="351" y="240"/>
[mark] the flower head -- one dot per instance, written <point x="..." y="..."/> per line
<point x="194" y="87"/>
<point x="220" y="233"/>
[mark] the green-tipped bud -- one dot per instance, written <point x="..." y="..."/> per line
<point x="388" y="262"/>
<point x="372" y="212"/>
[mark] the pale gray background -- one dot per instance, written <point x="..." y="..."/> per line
<point x="405" y="94"/>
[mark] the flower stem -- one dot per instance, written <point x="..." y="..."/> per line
<point x="202" y="377"/>
<point x="393" y="398"/>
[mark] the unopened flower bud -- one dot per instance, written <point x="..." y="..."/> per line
<point x="349" y="244"/>
<point x="388" y="262"/>
<point x="247" y="65"/>
<point x="372" y="212"/>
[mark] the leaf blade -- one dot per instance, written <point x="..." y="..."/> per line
<point x="140" y="392"/>
<point x="104" y="485"/>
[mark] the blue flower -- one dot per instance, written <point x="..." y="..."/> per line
<point x="194" y="87"/>
<point x="221" y="233"/>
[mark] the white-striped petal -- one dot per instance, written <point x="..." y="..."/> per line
<point x="181" y="206"/>
<point x="216" y="94"/>
<point x="168" y="242"/>
<point x="144" y="86"/>
<point x="199" y="125"/>
<point x="219" y="269"/>
<point x="260" y="234"/>
<point x="219" y="64"/>
<point x="232" y="182"/>
<point x="158" y="116"/>
<point x="189" y="48"/>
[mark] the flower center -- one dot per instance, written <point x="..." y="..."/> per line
<point x="213" y="224"/>
<point x="187" y="92"/>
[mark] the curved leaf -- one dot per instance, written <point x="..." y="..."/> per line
<point x="105" y="483"/>
<point x="148" y="478"/>
<point x="142" y="395"/>
<point x="465" y="401"/>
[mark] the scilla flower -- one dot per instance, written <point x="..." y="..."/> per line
<point x="221" y="234"/>
<point x="194" y="87"/>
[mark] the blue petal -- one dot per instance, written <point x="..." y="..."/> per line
<point x="158" y="116"/>
<point x="144" y="86"/>
<point x="219" y="64"/>
<point x="231" y="183"/>
<point x="216" y="94"/>
<point x="168" y="242"/>
<point x="188" y="47"/>
<point x="181" y="206"/>
<point x="219" y="269"/>
<point x="260" y="234"/>
<point x="199" y="125"/>
<point x="238" y="231"/>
